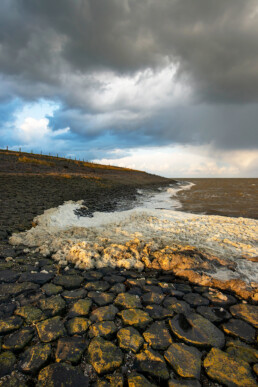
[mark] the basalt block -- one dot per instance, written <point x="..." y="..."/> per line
<point x="51" y="329"/>
<point x="185" y="360"/>
<point x="104" y="356"/>
<point x="152" y="363"/>
<point x="10" y="324"/>
<point x="34" y="358"/>
<point x="136" y="318"/>
<point x="158" y="336"/>
<point x="60" y="374"/>
<point x="246" y="312"/>
<point x="128" y="301"/>
<point x="130" y="339"/>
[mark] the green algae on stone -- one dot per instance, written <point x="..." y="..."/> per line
<point x="158" y="336"/>
<point x="51" y="329"/>
<point x="138" y="380"/>
<point x="152" y="363"/>
<point x="68" y="281"/>
<point x="61" y="375"/>
<point x="18" y="340"/>
<point x="105" y="329"/>
<point x="70" y="349"/>
<point x="77" y="325"/>
<point x="34" y="358"/>
<point x="246" y="312"/>
<point x="197" y="330"/>
<point x="10" y="324"/>
<point x="30" y="313"/>
<point x="185" y="360"/>
<point x="104" y="356"/>
<point x="227" y="370"/>
<point x="52" y="306"/>
<point x="80" y="308"/>
<point x="135" y="317"/>
<point x="51" y="289"/>
<point x="7" y="362"/>
<point x="128" y="301"/>
<point x="104" y="313"/>
<point x="130" y="339"/>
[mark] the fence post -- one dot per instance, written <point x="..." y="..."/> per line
<point x="6" y="147"/>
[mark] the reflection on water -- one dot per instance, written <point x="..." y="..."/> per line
<point x="226" y="197"/>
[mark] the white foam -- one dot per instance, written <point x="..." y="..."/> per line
<point x="83" y="240"/>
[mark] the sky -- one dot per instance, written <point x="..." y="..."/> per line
<point x="169" y="86"/>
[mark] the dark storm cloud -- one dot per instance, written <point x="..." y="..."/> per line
<point x="53" y="49"/>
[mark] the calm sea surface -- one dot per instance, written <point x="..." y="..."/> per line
<point x="227" y="197"/>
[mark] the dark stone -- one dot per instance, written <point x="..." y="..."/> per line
<point x="71" y="295"/>
<point x="18" y="340"/>
<point x="158" y="336"/>
<point x="80" y="308"/>
<point x="157" y="312"/>
<point x="195" y="300"/>
<point x="128" y="301"/>
<point x="68" y="281"/>
<point x="10" y="324"/>
<point x="130" y="339"/>
<point x="101" y="299"/>
<point x="214" y="314"/>
<point x="136" y="318"/>
<point x="77" y="325"/>
<point x="220" y="299"/>
<point x="185" y="383"/>
<point x="13" y="381"/>
<point x="30" y="313"/>
<point x="7" y="362"/>
<point x="70" y="349"/>
<point x="105" y="329"/>
<point x="183" y="287"/>
<point x="104" y="355"/>
<point x="9" y="276"/>
<point x="114" y="279"/>
<point x="51" y="329"/>
<point x="104" y="313"/>
<point x="185" y="360"/>
<point x="92" y="275"/>
<point x="7" y="310"/>
<point x="34" y="358"/>
<point x="138" y="380"/>
<point x="135" y="290"/>
<point x="118" y="288"/>
<point x="36" y="278"/>
<point x="53" y="305"/>
<point x="51" y="289"/>
<point x="246" y="312"/>
<point x="100" y="286"/>
<point x="195" y="329"/>
<point x="239" y="328"/>
<point x="152" y="363"/>
<point x="17" y="288"/>
<point x="153" y="298"/>
<point x="61" y="375"/>
<point x="177" y="306"/>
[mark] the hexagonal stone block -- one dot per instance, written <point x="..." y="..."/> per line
<point x="246" y="312"/>
<point x="130" y="339"/>
<point x="77" y="325"/>
<point x="70" y="349"/>
<point x="52" y="306"/>
<point x="214" y="314"/>
<point x="7" y="361"/>
<point x="239" y="328"/>
<point x="68" y="281"/>
<point x="105" y="329"/>
<point x="185" y="360"/>
<point x="34" y="358"/>
<point x="100" y="286"/>
<point x="104" y="313"/>
<point x="80" y="308"/>
<point x="152" y="363"/>
<point x="135" y="317"/>
<point x="51" y="329"/>
<point x="60" y="374"/>
<point x="19" y="339"/>
<point x="195" y="299"/>
<point x="51" y="289"/>
<point x="128" y="301"/>
<point x="104" y="355"/>
<point x="10" y="324"/>
<point x="138" y="380"/>
<point x="220" y="299"/>
<point x="100" y="298"/>
<point x="158" y="336"/>
<point x="30" y="313"/>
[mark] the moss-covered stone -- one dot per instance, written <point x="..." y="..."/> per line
<point x="13" y="381"/>
<point x="7" y="362"/>
<point x="152" y="363"/>
<point x="130" y="339"/>
<point x="19" y="339"/>
<point x="105" y="329"/>
<point x="100" y="286"/>
<point x="239" y="328"/>
<point x="70" y="349"/>
<point x="128" y="301"/>
<point x="68" y="281"/>
<point x="227" y="370"/>
<point x="77" y="325"/>
<point x="255" y="368"/>
<point x="61" y="375"/>
<point x="52" y="306"/>
<point x="246" y="312"/>
<point x="197" y="330"/>
<point x="104" y="313"/>
<point x="104" y="355"/>
<point x="158" y="336"/>
<point x="80" y="308"/>
<point x="51" y="329"/>
<point x="117" y="288"/>
<point x="185" y="360"/>
<point x="10" y="324"/>
<point x="138" y="380"/>
<point x="34" y="358"/>
<point x="136" y="317"/>
<point x="30" y="313"/>
<point x="51" y="289"/>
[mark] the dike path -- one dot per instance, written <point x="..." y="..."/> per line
<point x="70" y="327"/>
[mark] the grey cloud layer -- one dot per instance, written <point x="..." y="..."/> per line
<point x="52" y="49"/>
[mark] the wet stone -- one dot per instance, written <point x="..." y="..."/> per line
<point x="246" y="312"/>
<point x="158" y="336"/>
<point x="197" y="330"/>
<point x="201" y="289"/>
<point x="214" y="314"/>
<point x="68" y="281"/>
<point x="105" y="329"/>
<point x="17" y="288"/>
<point x="36" y="278"/>
<point x="130" y="339"/>
<point x="128" y="301"/>
<point x="157" y="312"/>
<point x="136" y="291"/>
<point x="77" y="325"/>
<point x="114" y="279"/>
<point x="138" y="380"/>
<point x="136" y="317"/>
<point x="9" y="276"/>
<point x="101" y="299"/>
<point x="239" y="328"/>
<point x="70" y="349"/>
<point x="104" y="355"/>
<point x="34" y="358"/>
<point x="183" y="288"/>
<point x="51" y="329"/>
<point x="92" y="275"/>
<point x="184" y="383"/>
<point x="10" y="324"/>
<point x="7" y="362"/>
<point x="51" y="289"/>
<point x="153" y="298"/>
<point x="194" y="300"/>
<point x="100" y="286"/>
<point x="220" y="299"/>
<point x="52" y="306"/>
<point x="18" y="340"/>
<point x="185" y="360"/>
<point x="118" y="288"/>
<point x="30" y="313"/>
<point x="243" y="352"/>
<point x="152" y="363"/>
<point x="71" y="295"/>
<point x="13" y="381"/>
<point x="80" y="308"/>
<point x="7" y="310"/>
<point x="227" y="370"/>
<point x="61" y="374"/>
<point x="177" y="306"/>
<point x="104" y="313"/>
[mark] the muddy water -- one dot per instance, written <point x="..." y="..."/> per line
<point x="226" y="197"/>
